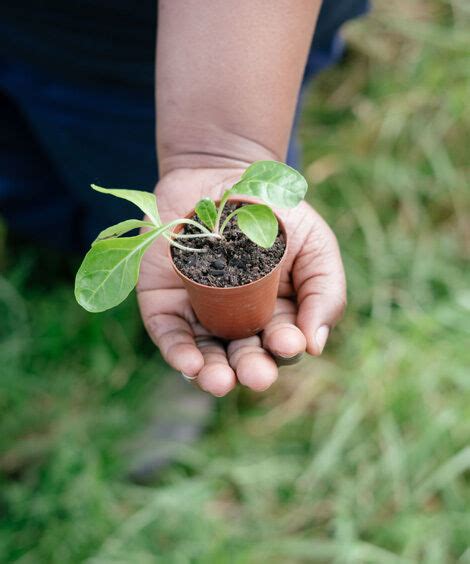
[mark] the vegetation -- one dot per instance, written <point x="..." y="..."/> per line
<point x="360" y="456"/>
<point x="110" y="269"/>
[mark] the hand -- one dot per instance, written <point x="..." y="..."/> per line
<point x="311" y="294"/>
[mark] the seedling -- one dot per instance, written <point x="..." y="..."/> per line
<point x="110" y="269"/>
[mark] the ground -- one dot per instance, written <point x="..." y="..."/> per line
<point x="360" y="456"/>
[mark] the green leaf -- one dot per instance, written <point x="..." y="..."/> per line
<point x="275" y="183"/>
<point x="207" y="212"/>
<point x="143" y="200"/>
<point x="110" y="270"/>
<point x="121" y="228"/>
<point x="258" y="223"/>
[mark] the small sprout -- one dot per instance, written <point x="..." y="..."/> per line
<point x="207" y="212"/>
<point x="110" y="269"/>
<point x="276" y="184"/>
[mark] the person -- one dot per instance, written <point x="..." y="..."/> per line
<point x="76" y="107"/>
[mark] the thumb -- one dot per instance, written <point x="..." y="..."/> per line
<point x="320" y="283"/>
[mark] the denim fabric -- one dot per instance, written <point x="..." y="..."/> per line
<point x="77" y="106"/>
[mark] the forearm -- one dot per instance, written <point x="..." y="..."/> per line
<point x="228" y="76"/>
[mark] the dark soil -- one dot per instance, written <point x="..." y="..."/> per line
<point x="232" y="261"/>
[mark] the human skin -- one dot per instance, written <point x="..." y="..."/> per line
<point x="228" y="76"/>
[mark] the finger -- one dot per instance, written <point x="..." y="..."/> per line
<point x="216" y="377"/>
<point x="280" y="336"/>
<point x="320" y="284"/>
<point x="168" y="318"/>
<point x="175" y="339"/>
<point x="254" y="366"/>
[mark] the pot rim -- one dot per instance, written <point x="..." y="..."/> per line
<point x="228" y="288"/>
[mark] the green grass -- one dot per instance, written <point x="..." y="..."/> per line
<point x="361" y="456"/>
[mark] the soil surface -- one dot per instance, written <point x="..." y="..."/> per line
<point x="231" y="261"/>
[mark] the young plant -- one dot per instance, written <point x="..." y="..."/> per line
<point x="110" y="269"/>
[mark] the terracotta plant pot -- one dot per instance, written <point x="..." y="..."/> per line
<point x="236" y="312"/>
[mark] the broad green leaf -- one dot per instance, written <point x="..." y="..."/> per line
<point x="275" y="183"/>
<point x="121" y="228"/>
<point x="207" y="212"/>
<point x="258" y="223"/>
<point x="110" y="270"/>
<point x="143" y="200"/>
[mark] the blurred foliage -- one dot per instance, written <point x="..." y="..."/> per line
<point x="361" y="456"/>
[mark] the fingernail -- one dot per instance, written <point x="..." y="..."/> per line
<point x="321" y="337"/>
<point x="188" y="378"/>
<point x="282" y="360"/>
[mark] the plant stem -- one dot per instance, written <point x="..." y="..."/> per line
<point x="194" y="236"/>
<point x="169" y="237"/>
<point x="223" y="201"/>
<point x="173" y="243"/>
<point x="227" y="219"/>
<point x="190" y="222"/>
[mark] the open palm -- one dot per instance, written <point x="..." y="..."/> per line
<point x="311" y="295"/>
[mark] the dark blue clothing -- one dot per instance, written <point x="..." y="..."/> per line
<point x="77" y="106"/>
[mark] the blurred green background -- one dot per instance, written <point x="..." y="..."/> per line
<point x="360" y="456"/>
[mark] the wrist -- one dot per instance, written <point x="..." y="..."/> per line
<point x="209" y="147"/>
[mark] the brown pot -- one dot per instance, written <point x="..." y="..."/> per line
<point x="236" y="312"/>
